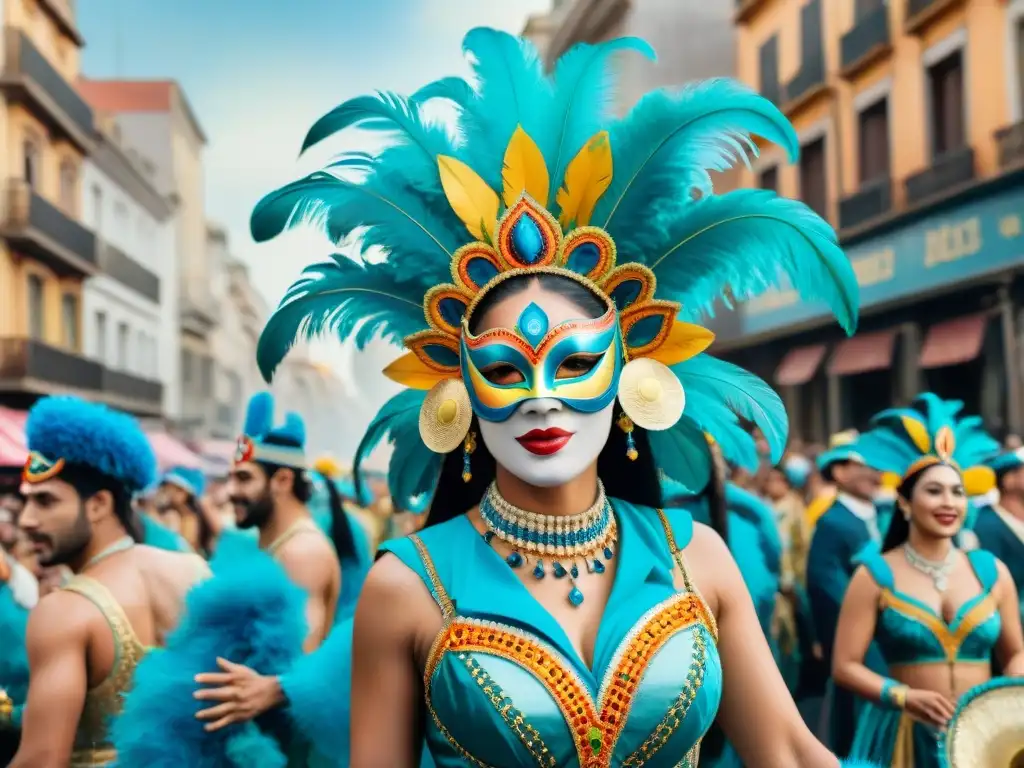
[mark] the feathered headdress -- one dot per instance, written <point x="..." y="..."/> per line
<point x="931" y="431"/>
<point x="539" y="176"/>
<point x="262" y="440"/>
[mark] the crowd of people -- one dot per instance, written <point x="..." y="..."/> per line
<point x="595" y="545"/>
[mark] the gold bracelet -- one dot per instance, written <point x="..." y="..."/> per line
<point x="898" y="694"/>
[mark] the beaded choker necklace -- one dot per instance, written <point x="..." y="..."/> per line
<point x="564" y="541"/>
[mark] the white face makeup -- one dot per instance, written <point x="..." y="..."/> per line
<point x="545" y="443"/>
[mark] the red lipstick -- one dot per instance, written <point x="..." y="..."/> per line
<point x="545" y="442"/>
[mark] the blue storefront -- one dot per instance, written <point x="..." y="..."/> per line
<point x="940" y="298"/>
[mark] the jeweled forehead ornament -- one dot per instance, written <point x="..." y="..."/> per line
<point x="526" y="239"/>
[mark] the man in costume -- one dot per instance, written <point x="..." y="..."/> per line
<point x="1000" y="526"/>
<point x="84" y="640"/>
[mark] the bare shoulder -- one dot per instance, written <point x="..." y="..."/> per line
<point x="310" y="560"/>
<point x="712" y="568"/>
<point x="60" y="617"/>
<point x="394" y="602"/>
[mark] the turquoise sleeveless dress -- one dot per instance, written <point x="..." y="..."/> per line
<point x="505" y="688"/>
<point x="911" y="632"/>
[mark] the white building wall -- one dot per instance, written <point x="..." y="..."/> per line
<point x="123" y="329"/>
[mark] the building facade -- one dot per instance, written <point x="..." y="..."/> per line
<point x="155" y="117"/>
<point x="129" y="307"/>
<point x="46" y="253"/>
<point x="909" y="117"/>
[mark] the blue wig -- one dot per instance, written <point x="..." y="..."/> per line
<point x="68" y="430"/>
<point x="189" y="479"/>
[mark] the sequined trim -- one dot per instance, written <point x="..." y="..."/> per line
<point x="949" y="639"/>
<point x="514" y="719"/>
<point x="92" y="758"/>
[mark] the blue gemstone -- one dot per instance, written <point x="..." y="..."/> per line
<point x="514" y="559"/>
<point x="598" y="566"/>
<point x="576" y="597"/>
<point x="574" y="571"/>
<point x="527" y="240"/>
<point x="533" y="324"/>
<point x="607" y="553"/>
<point x="488" y="536"/>
<point x="538" y="570"/>
<point x="558" y="570"/>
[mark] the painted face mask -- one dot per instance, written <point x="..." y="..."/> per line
<point x="536" y="352"/>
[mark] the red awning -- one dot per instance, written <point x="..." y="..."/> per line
<point x="863" y="353"/>
<point x="171" y="452"/>
<point x="799" y="365"/>
<point x="13" y="450"/>
<point x="954" y="341"/>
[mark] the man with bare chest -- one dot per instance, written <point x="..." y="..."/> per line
<point x="85" y="639"/>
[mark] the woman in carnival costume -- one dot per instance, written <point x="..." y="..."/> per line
<point x="550" y="612"/>
<point x="936" y="613"/>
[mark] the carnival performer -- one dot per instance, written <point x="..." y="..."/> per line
<point x="181" y="489"/>
<point x="544" y="568"/>
<point x="937" y="613"/>
<point x="1000" y="524"/>
<point x="85" y="639"/>
<point x="821" y="490"/>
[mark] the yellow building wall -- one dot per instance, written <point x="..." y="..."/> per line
<point x="61" y="51"/>
<point x="986" y="107"/>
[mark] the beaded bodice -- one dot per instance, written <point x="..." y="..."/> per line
<point x="505" y="687"/>
<point x="911" y="632"/>
<point x="103" y="702"/>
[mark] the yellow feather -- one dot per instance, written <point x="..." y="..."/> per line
<point x="586" y="178"/>
<point x="684" y="341"/>
<point x="979" y="480"/>
<point x="918" y="433"/>
<point x="411" y="372"/>
<point x="469" y="196"/>
<point x="524" y="170"/>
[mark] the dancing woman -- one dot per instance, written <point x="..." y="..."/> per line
<point x="549" y="613"/>
<point x="936" y="613"/>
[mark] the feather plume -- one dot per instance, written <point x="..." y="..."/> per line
<point x="337" y="297"/>
<point x="259" y="415"/>
<point x="453" y="89"/>
<point x="586" y="179"/>
<point x="707" y="380"/>
<point x="475" y="203"/>
<point x="414" y="468"/>
<point x="402" y="409"/>
<point x="696" y="253"/>
<point x="664" y="148"/>
<point x="294" y="428"/>
<point x="524" y="171"/>
<point x="683" y="454"/>
<point x="584" y="95"/>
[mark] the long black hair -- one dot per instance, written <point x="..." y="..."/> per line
<point x="341" y="526"/>
<point x="633" y="481"/>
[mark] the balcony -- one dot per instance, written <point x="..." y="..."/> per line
<point x="132" y="393"/>
<point x="1010" y="142"/>
<point x="197" y="318"/>
<point x="30" y="78"/>
<point x="921" y="13"/>
<point x="62" y="12"/>
<point x="806" y="85"/>
<point x="872" y="200"/>
<point x="128" y="272"/>
<point x="31" y="368"/>
<point x="39" y="229"/>
<point x="946" y="173"/>
<point x="868" y="41"/>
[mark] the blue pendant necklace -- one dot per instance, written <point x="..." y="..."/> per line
<point x="553" y="542"/>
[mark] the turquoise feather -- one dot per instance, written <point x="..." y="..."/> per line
<point x="707" y="380"/>
<point x="682" y="454"/>
<point x="453" y="89"/>
<point x="337" y="297"/>
<point x="694" y="253"/>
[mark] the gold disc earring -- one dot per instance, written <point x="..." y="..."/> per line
<point x="651" y="395"/>
<point x="445" y="416"/>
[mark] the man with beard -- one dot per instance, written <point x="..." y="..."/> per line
<point x="85" y="639"/>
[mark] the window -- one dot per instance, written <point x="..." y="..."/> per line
<point x="31" y="168"/>
<point x="863" y="8"/>
<point x="1020" y="62"/>
<point x="946" y="86"/>
<point x="68" y="186"/>
<point x="69" y="320"/>
<point x="873" y="128"/>
<point x="122" y="345"/>
<point x="769" y="179"/>
<point x="97" y="208"/>
<point x="768" y="58"/>
<point x="187" y="363"/>
<point x="101" y="336"/>
<point x="36" y="307"/>
<point x="811" y="38"/>
<point x="813" y="183"/>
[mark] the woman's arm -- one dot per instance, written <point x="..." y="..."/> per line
<point x="1010" y="648"/>
<point x="757" y="713"/>
<point x="387" y="695"/>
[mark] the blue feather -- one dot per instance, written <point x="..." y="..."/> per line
<point x="664" y="147"/>
<point x="293" y="429"/>
<point x="585" y="96"/>
<point x="402" y="409"/>
<point x="708" y="380"/>
<point x="696" y="253"/>
<point x="414" y="469"/>
<point x="259" y="415"/>
<point x="682" y="454"/>
<point x="453" y="89"/>
<point x="336" y="297"/>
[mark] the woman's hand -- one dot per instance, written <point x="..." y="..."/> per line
<point x="929" y="707"/>
<point x="243" y="693"/>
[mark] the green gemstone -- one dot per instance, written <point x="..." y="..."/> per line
<point x="594" y="737"/>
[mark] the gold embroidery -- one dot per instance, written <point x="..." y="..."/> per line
<point x="949" y="639"/>
<point x="680" y="560"/>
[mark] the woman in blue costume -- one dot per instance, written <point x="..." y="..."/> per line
<point x="548" y="613"/>
<point x="936" y="613"/>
